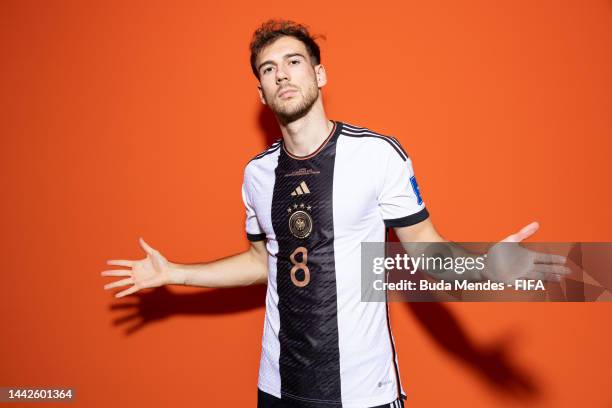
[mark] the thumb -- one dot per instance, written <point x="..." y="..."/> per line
<point x="145" y="247"/>
<point x="524" y="233"/>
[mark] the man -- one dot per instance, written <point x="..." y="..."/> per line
<point x="311" y="199"/>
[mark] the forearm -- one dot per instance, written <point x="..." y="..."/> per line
<point x="466" y="265"/>
<point x="417" y="240"/>
<point x="247" y="268"/>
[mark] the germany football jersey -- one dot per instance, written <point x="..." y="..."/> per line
<point x="322" y="346"/>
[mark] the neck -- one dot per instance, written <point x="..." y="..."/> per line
<point x="304" y="135"/>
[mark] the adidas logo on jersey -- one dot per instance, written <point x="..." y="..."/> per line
<point x="301" y="190"/>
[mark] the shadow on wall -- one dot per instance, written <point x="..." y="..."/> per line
<point x="492" y="363"/>
<point x="161" y="303"/>
<point x="268" y="126"/>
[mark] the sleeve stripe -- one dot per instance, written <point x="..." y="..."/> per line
<point x="274" y="147"/>
<point x="256" y="237"/>
<point x="399" y="145"/>
<point x="385" y="138"/>
<point x="360" y="130"/>
<point x="409" y="220"/>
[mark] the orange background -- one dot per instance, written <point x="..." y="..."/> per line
<point x="128" y="119"/>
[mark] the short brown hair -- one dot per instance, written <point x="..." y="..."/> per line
<point x="272" y="30"/>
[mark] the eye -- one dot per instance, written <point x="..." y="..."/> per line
<point x="266" y="70"/>
<point x="294" y="62"/>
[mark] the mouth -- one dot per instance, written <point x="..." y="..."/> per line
<point x="287" y="93"/>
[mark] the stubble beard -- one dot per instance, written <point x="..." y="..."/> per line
<point x="289" y="112"/>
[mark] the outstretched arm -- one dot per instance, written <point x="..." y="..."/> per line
<point x="247" y="268"/>
<point x="505" y="262"/>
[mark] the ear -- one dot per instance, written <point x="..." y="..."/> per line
<point x="321" y="75"/>
<point x="261" y="97"/>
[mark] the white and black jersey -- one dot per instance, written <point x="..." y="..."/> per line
<point x="322" y="346"/>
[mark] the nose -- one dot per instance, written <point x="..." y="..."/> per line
<point x="281" y="75"/>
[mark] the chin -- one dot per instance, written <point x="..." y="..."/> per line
<point x="291" y="108"/>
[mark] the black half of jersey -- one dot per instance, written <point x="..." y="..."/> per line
<point x="302" y="217"/>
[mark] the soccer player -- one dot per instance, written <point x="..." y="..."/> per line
<point x="311" y="199"/>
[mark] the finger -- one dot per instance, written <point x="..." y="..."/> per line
<point x="524" y="233"/>
<point x="146" y="247"/>
<point x="128" y="291"/>
<point x="543" y="258"/>
<point x="538" y="276"/>
<point x="547" y="269"/>
<point x="549" y="277"/>
<point x="121" y="282"/>
<point x="117" y="272"/>
<point x="120" y="262"/>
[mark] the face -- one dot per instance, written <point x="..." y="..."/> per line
<point x="288" y="82"/>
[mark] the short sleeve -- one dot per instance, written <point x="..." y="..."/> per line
<point x="400" y="201"/>
<point x="253" y="230"/>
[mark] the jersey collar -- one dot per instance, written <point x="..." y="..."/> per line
<point x="335" y="130"/>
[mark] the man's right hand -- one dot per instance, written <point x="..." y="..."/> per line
<point x="153" y="271"/>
